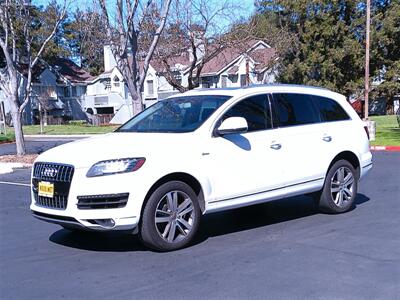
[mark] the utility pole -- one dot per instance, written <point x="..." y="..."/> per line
<point x="367" y="42"/>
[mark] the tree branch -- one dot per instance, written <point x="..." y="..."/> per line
<point x="155" y="41"/>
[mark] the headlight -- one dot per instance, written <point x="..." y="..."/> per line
<point x="115" y="166"/>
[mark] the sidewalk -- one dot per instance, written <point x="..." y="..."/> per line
<point x="8" y="167"/>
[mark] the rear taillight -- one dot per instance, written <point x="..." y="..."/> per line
<point x="366" y="131"/>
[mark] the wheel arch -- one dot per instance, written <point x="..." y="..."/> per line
<point x="190" y="180"/>
<point x="348" y="156"/>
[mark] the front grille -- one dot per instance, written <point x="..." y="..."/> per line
<point x="58" y="174"/>
<point x="103" y="201"/>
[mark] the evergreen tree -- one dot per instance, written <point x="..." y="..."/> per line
<point x="329" y="48"/>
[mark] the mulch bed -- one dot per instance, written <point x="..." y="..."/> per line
<point x="25" y="159"/>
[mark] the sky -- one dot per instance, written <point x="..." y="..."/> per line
<point x="248" y="5"/>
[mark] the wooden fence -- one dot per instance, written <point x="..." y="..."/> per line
<point x="98" y="120"/>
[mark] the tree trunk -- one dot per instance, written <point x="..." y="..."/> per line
<point x="136" y="95"/>
<point x="40" y="119"/>
<point x="19" y="135"/>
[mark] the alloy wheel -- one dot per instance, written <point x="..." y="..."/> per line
<point x="342" y="186"/>
<point x="174" y="216"/>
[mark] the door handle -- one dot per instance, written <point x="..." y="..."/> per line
<point x="276" y="146"/>
<point x="327" y="138"/>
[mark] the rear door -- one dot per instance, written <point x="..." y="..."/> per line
<point x="337" y="129"/>
<point x="301" y="138"/>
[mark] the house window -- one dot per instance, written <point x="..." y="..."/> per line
<point x="224" y="80"/>
<point x="150" y="87"/>
<point x="178" y="79"/>
<point x="116" y="81"/>
<point x="74" y="91"/>
<point x="67" y="91"/>
<point x="60" y="91"/>
<point x="205" y="83"/>
<point x="107" y="84"/>
<point x="243" y="80"/>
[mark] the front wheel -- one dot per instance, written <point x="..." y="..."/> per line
<point x="171" y="217"/>
<point x="340" y="188"/>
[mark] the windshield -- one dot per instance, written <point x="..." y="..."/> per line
<point x="178" y="114"/>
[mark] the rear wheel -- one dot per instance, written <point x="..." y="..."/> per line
<point x="171" y="217"/>
<point x="340" y="188"/>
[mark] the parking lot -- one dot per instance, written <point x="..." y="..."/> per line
<point x="278" y="250"/>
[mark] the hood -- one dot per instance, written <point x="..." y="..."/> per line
<point x="86" y="152"/>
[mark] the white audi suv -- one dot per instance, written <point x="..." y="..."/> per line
<point x="201" y="152"/>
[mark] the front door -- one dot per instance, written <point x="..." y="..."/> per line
<point x="246" y="164"/>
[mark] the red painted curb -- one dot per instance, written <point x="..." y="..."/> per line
<point x="385" y="148"/>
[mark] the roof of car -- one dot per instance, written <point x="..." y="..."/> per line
<point x="266" y="88"/>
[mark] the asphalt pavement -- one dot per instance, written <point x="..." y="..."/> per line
<point x="36" y="145"/>
<point x="279" y="250"/>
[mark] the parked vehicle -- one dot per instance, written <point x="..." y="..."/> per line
<point x="201" y="152"/>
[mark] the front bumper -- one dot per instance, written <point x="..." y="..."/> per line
<point x="125" y="224"/>
<point x="102" y="218"/>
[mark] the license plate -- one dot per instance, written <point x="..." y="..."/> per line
<point x="46" y="189"/>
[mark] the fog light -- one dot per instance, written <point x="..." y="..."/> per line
<point x="106" y="223"/>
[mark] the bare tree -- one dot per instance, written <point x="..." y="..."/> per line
<point x="197" y="32"/>
<point x="16" y="42"/>
<point x="135" y="23"/>
<point x="86" y="33"/>
<point x="43" y="99"/>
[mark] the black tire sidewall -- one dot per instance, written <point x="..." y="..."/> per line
<point x="148" y="230"/>
<point x="326" y="203"/>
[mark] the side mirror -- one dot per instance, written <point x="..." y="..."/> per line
<point x="233" y="125"/>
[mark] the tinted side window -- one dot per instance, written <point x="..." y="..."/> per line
<point x="330" y="110"/>
<point x="295" y="109"/>
<point x="255" y="110"/>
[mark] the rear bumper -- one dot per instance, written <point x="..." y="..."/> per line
<point x="366" y="164"/>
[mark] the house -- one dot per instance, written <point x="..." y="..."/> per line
<point x="106" y="94"/>
<point x="107" y="97"/>
<point x="58" y="87"/>
<point x="227" y="69"/>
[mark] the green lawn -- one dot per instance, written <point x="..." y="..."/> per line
<point x="68" y="129"/>
<point x="387" y="131"/>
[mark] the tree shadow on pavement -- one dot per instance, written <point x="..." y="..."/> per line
<point x="215" y="224"/>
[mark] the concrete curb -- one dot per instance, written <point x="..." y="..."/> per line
<point x="385" y="148"/>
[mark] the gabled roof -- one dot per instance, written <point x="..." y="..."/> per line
<point x="61" y="67"/>
<point x="258" y="51"/>
<point x="71" y="71"/>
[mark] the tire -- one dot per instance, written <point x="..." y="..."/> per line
<point x="340" y="188"/>
<point x="170" y="217"/>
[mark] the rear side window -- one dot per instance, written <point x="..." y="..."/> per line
<point x="294" y="109"/>
<point x="255" y="110"/>
<point x="330" y="110"/>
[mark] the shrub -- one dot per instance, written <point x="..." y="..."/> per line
<point x="77" y="122"/>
